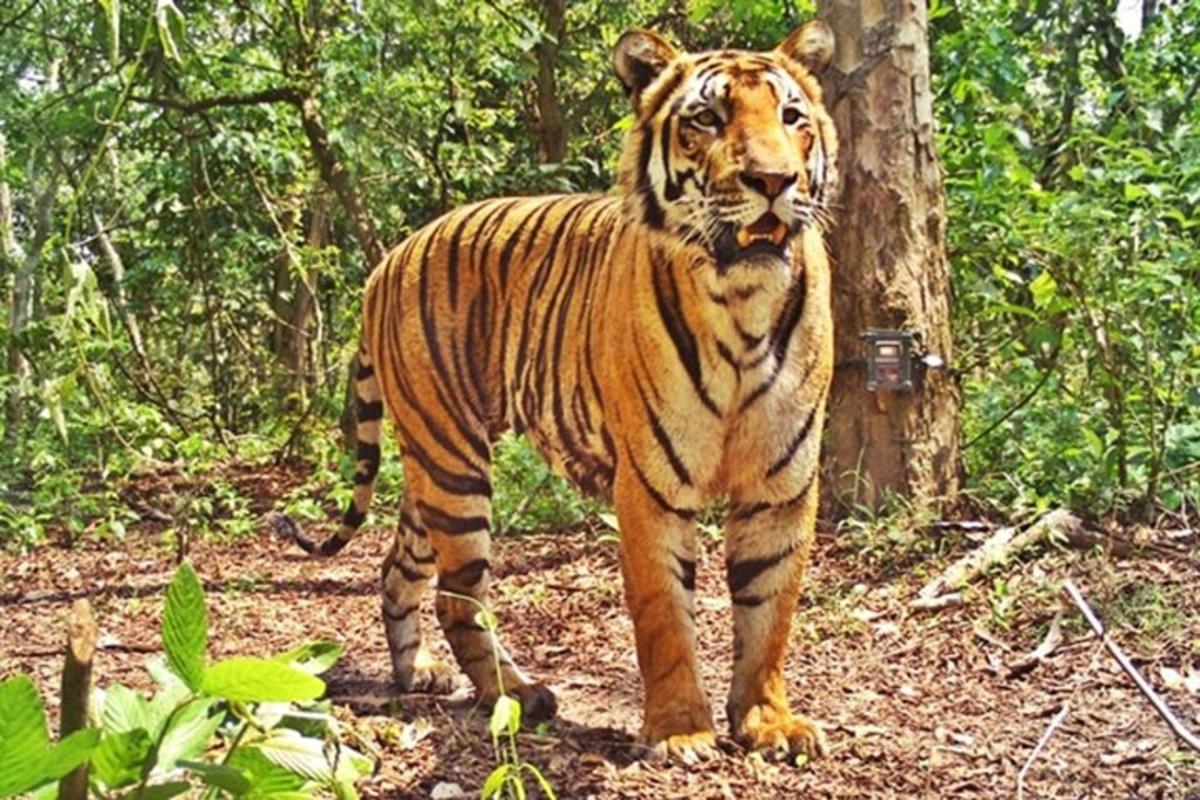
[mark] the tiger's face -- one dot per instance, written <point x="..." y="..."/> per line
<point x="732" y="151"/>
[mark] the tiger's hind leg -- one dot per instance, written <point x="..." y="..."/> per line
<point x="458" y="525"/>
<point x="407" y="571"/>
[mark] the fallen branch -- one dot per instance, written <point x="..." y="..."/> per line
<point x="1003" y="545"/>
<point x="1041" y="745"/>
<point x="1054" y="638"/>
<point x="1146" y="689"/>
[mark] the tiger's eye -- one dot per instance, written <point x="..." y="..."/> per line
<point x="707" y="118"/>
<point x="791" y="116"/>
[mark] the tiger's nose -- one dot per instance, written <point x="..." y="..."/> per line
<point x="768" y="184"/>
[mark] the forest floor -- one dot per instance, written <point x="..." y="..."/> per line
<point x="914" y="704"/>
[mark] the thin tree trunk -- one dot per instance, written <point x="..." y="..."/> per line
<point x="551" y="132"/>
<point x="303" y="307"/>
<point x="117" y="267"/>
<point x="891" y="267"/>
<point x="20" y="313"/>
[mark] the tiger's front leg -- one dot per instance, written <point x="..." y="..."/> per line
<point x="659" y="568"/>
<point x="767" y="550"/>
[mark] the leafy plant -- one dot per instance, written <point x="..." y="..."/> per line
<point x="240" y="727"/>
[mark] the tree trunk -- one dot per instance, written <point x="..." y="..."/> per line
<point x="891" y="270"/>
<point x="295" y="351"/>
<point x="551" y="132"/>
<point x="76" y="689"/>
<point x="20" y="313"/>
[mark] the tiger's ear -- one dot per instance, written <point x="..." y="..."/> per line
<point x="639" y="57"/>
<point x="811" y="45"/>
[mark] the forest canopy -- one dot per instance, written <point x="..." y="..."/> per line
<point x="191" y="196"/>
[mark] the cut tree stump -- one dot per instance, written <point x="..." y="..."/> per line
<point x="76" y="688"/>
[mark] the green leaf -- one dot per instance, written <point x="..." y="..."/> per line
<point x="124" y="710"/>
<point x="265" y="776"/>
<point x="69" y="753"/>
<point x="220" y="776"/>
<point x="313" y="657"/>
<point x="494" y="783"/>
<point x="162" y="791"/>
<point x="120" y="758"/>
<point x="313" y="758"/>
<point x="1043" y="288"/>
<point x="547" y="789"/>
<point x="185" y="627"/>
<point x="189" y="734"/>
<point x="256" y="680"/>
<point x="23" y="736"/>
<point x="506" y="714"/>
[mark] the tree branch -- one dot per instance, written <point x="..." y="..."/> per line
<point x="283" y="94"/>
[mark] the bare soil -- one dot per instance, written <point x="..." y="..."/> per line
<point x="915" y="704"/>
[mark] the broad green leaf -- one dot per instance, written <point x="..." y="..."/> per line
<point x="189" y="734"/>
<point x="265" y="776"/>
<point x="185" y="627"/>
<point x="69" y="753"/>
<point x="124" y="710"/>
<point x="162" y="791"/>
<point x="313" y="657"/>
<point x="23" y="736"/>
<point x="221" y="776"/>
<point x="120" y="758"/>
<point x="255" y="680"/>
<point x="313" y="758"/>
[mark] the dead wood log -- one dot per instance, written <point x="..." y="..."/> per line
<point x="76" y="688"/>
<point x="1003" y="545"/>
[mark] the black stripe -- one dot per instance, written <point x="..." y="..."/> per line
<point x="741" y="513"/>
<point x="682" y="513"/>
<point x="416" y="559"/>
<point x="439" y="520"/>
<point x="364" y="371"/>
<point x="367" y="452"/>
<point x="794" y="445"/>
<point x="411" y="573"/>
<point x="664" y="441"/>
<point x="467" y="575"/>
<point x="687" y="573"/>
<point x="652" y="212"/>
<point x="369" y="412"/>
<point x="740" y="574"/>
<point x="681" y="336"/>
<point x="447" y="481"/>
<point x="353" y="518"/>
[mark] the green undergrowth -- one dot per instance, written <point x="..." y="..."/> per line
<point x="239" y="727"/>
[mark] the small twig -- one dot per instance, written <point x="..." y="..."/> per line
<point x="937" y="603"/>
<point x="1051" y="643"/>
<point x="1160" y="706"/>
<point x="1041" y="745"/>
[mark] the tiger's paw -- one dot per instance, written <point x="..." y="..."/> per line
<point x="538" y="703"/>
<point x="429" y="675"/>
<point x="779" y="734"/>
<point x="688" y="749"/>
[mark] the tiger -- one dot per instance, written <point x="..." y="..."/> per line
<point x="665" y="346"/>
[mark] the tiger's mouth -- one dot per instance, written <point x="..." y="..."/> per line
<point x="768" y="229"/>
<point x="763" y="241"/>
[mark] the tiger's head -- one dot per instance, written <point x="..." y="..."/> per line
<point x="730" y="151"/>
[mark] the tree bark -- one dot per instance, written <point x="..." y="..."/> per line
<point x="76" y="690"/>
<point x="891" y="269"/>
<point x="551" y="131"/>
<point x="21" y="309"/>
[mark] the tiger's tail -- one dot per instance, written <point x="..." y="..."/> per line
<point x="369" y="404"/>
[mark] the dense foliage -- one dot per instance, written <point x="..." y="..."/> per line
<point x="188" y="201"/>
